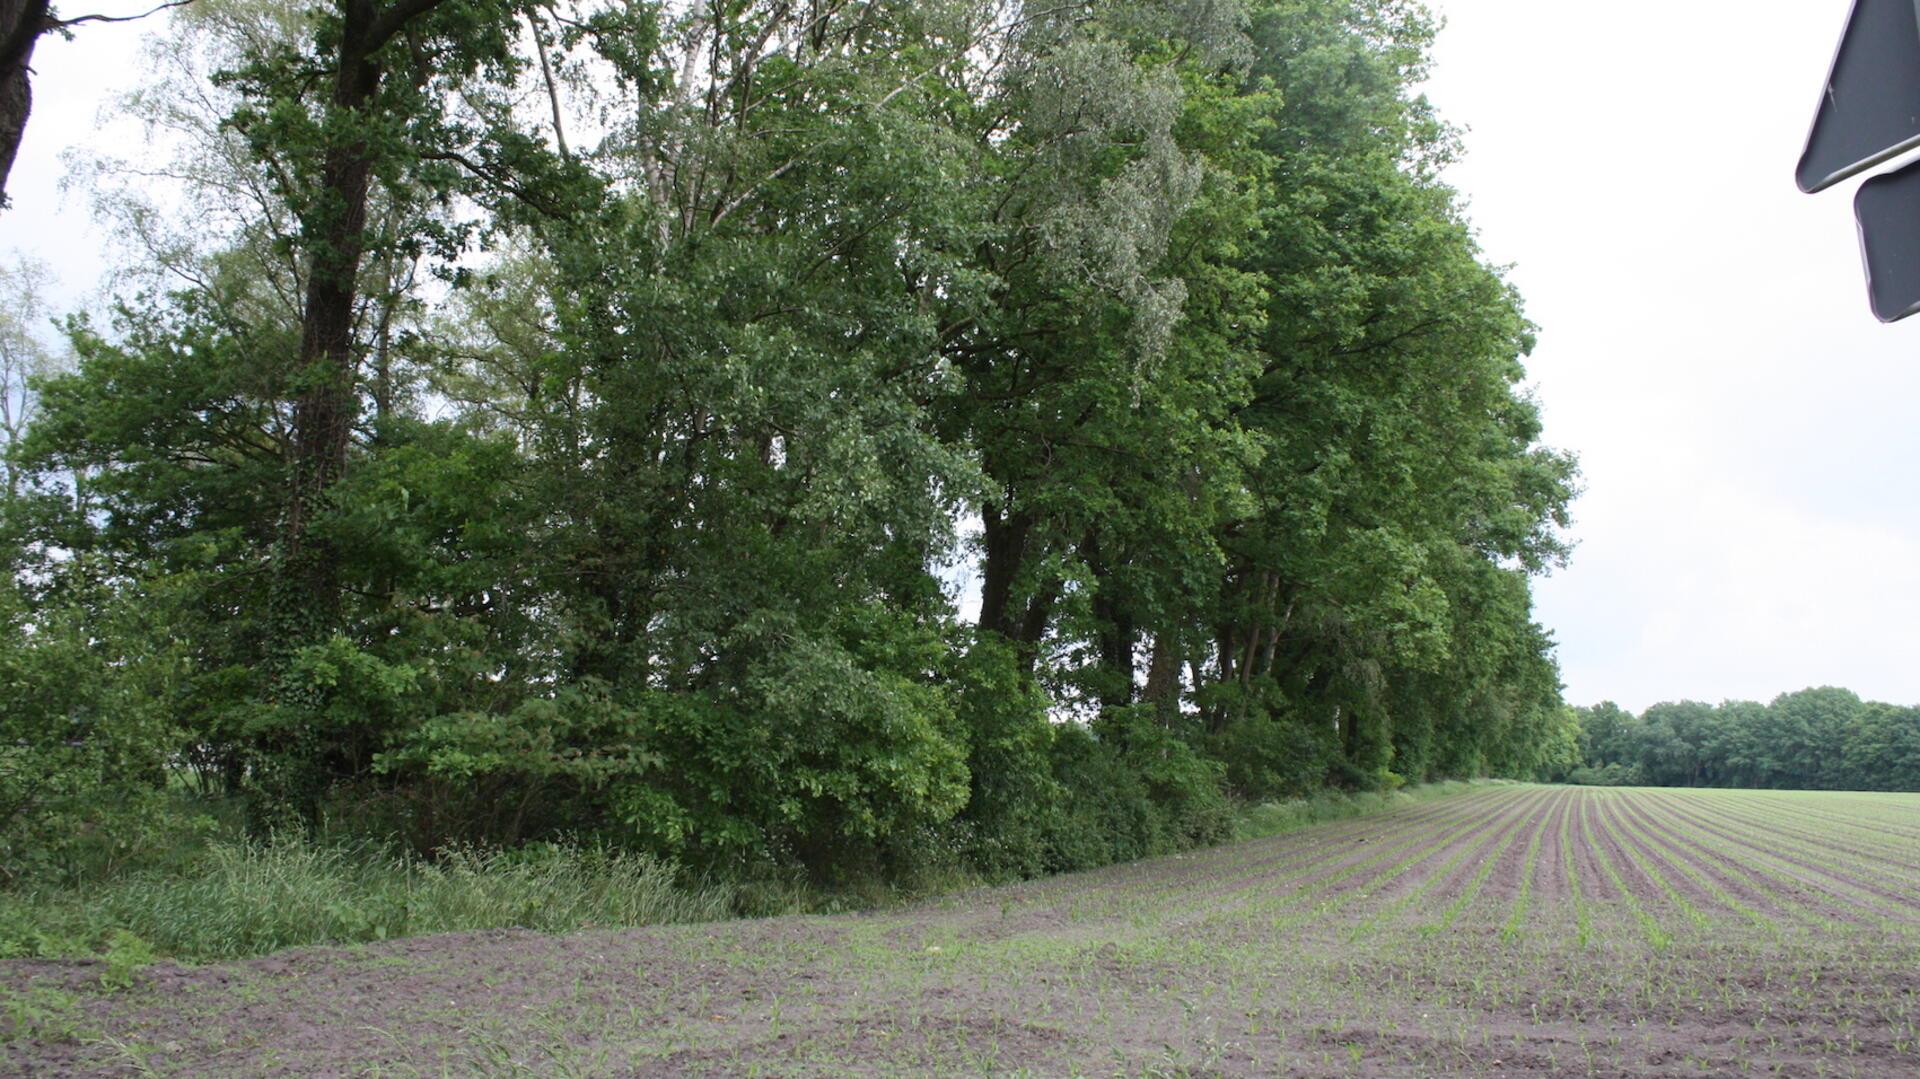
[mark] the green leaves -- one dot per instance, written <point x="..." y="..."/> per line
<point x="597" y="451"/>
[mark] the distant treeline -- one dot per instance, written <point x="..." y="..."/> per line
<point x="1816" y="739"/>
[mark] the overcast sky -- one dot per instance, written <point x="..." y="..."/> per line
<point x="1750" y="524"/>
<point x="1746" y="428"/>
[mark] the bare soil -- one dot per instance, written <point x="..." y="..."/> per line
<point x="1318" y="953"/>
<point x="1778" y="903"/>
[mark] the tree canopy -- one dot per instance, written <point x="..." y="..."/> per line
<point x="839" y="433"/>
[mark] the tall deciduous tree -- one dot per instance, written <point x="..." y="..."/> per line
<point x="571" y="417"/>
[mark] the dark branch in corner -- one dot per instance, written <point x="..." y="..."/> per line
<point x="63" y="24"/>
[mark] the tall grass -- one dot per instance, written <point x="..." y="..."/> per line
<point x="1275" y="818"/>
<point x="235" y="897"/>
<point x="250" y="898"/>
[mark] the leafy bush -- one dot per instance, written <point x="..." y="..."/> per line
<point x="1016" y="807"/>
<point x="1134" y="789"/>
<point x="1271" y="754"/>
<point x="1612" y="775"/>
<point x="126" y="956"/>
<point x="83" y="745"/>
<point x="831" y="752"/>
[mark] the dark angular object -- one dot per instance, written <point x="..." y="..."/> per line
<point x="1888" y="210"/>
<point x="1870" y="108"/>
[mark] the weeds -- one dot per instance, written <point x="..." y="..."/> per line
<point x="253" y="898"/>
<point x="39" y="1013"/>
<point x="1397" y="944"/>
<point x="126" y="956"/>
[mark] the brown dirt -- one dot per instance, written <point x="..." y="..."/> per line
<point x="1513" y="826"/>
<point x="1849" y="888"/>
<point x="1487" y="832"/>
<point x="1785" y="901"/>
<point x="1892" y="856"/>
<point x="1178" y="966"/>
<point x="1511" y="870"/>
<point x="1258" y="865"/>
<point x="1648" y="860"/>
<point x="1550" y="884"/>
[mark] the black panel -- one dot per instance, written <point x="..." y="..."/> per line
<point x="1871" y="107"/>
<point x="1888" y="209"/>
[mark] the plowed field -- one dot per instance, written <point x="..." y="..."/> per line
<point x="1513" y="930"/>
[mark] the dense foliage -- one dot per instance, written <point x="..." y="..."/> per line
<point x="850" y="435"/>
<point x="1816" y="739"/>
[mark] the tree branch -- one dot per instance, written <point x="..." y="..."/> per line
<point x="395" y="19"/>
<point x="62" y="24"/>
<point x="553" y="91"/>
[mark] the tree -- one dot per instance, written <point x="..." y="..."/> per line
<point x="390" y="69"/>
<point x="1815" y="739"/>
<point x="1401" y="497"/>
<point x="564" y="419"/>
<point x="24" y="358"/>
<point x="1883" y="749"/>
<point x="21" y="24"/>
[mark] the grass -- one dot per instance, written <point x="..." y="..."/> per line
<point x="249" y="898"/>
<point x="44" y="1014"/>
<point x="1591" y="930"/>
<point x="232" y="897"/>
<point x="1278" y="818"/>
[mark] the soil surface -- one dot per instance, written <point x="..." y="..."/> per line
<point x="1509" y="931"/>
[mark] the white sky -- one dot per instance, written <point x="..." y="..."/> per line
<point x="72" y="81"/>
<point x="1750" y="524"/>
<point x="1745" y="426"/>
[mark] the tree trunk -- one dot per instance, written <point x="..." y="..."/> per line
<point x="1116" y="633"/>
<point x="1033" y="624"/>
<point x="334" y="234"/>
<point x="21" y="24"/>
<point x="1163" y="677"/>
<point x="335" y="229"/>
<point x="1005" y="539"/>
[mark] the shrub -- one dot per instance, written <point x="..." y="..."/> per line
<point x="1015" y="808"/>
<point x="1133" y="789"/>
<point x="83" y="746"/>
<point x="1612" y="775"/>
<point x="1274" y="755"/>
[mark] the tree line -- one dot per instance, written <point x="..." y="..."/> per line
<point x="806" y="432"/>
<point x="1815" y="739"/>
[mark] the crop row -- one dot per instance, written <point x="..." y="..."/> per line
<point x="1602" y="866"/>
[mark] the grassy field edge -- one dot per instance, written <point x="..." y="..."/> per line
<point x="1268" y="819"/>
<point x="242" y="898"/>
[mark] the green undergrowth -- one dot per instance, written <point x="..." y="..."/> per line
<point x="248" y="898"/>
<point x="233" y="897"/>
<point x="1277" y="818"/>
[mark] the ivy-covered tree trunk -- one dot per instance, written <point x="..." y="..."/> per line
<point x="334" y="233"/>
<point x="324" y="412"/>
